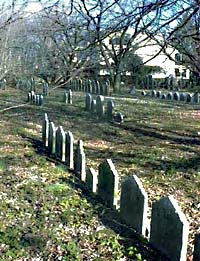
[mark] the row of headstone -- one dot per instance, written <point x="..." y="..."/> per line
<point x="176" y="96"/>
<point x="34" y="98"/>
<point x="168" y="228"/>
<point x="90" y="86"/>
<point x="67" y="98"/>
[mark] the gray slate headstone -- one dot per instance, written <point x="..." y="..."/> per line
<point x="100" y="106"/>
<point x="41" y="100"/>
<point x="134" y="204"/>
<point x="88" y="101"/>
<point x="158" y="94"/>
<point x="69" y="149"/>
<point x="169" y="229"/>
<point x="45" y="129"/>
<point x="91" y="179"/>
<point x="170" y="96"/>
<point x="110" y="108"/>
<point x="176" y="96"/>
<point x="52" y="138"/>
<point x="108" y="181"/>
<point x="183" y="96"/>
<point x="196" y="255"/>
<point x="60" y="143"/>
<point x="80" y="161"/>
<point x="164" y="96"/>
<point x="93" y="106"/>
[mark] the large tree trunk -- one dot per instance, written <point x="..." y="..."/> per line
<point x="116" y="82"/>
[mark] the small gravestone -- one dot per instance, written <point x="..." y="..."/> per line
<point x="69" y="149"/>
<point x="45" y="89"/>
<point x="93" y="106"/>
<point x="176" y="96"/>
<point x="91" y="179"/>
<point x="134" y="204"/>
<point x="69" y="97"/>
<point x="183" y="96"/>
<point x="34" y="99"/>
<point x="119" y="117"/>
<point x="41" y="100"/>
<point x="89" y="89"/>
<point x="164" y="96"/>
<point x="170" y="96"/>
<point x="108" y="180"/>
<point x="97" y="87"/>
<point x="37" y="99"/>
<point x="107" y="88"/>
<point x="80" y="161"/>
<point x="153" y="93"/>
<point x="100" y="106"/>
<point x="32" y="95"/>
<point x="29" y="97"/>
<point x="110" y="108"/>
<point x="143" y="93"/>
<point x="196" y="255"/>
<point x="88" y="101"/>
<point x="188" y="97"/>
<point x="52" y="138"/>
<point x="196" y="97"/>
<point x="45" y="129"/>
<point x="60" y="143"/>
<point x="169" y="229"/>
<point x="158" y="94"/>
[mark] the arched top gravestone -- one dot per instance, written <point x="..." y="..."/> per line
<point x="100" y="105"/>
<point x="169" y="229"/>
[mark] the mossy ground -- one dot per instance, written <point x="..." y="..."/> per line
<point x="46" y="213"/>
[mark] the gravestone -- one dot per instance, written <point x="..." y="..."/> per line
<point x="158" y="94"/>
<point x="45" y="129"/>
<point x="170" y="96"/>
<point x="69" y="150"/>
<point x="91" y="179"/>
<point x="97" y="87"/>
<point x="29" y="97"/>
<point x="164" y="96"/>
<point x="153" y="93"/>
<point x="41" y="100"/>
<point x="52" y="138"/>
<point x="107" y="187"/>
<point x="196" y="255"/>
<point x="169" y="229"/>
<point x="188" y="97"/>
<point x="80" y="161"/>
<point x="32" y="95"/>
<point x="88" y="101"/>
<point x="110" y="108"/>
<point x="196" y="97"/>
<point x="45" y="89"/>
<point x="69" y="97"/>
<point x="100" y="106"/>
<point x="176" y="96"/>
<point x="60" y="143"/>
<point x="93" y="106"/>
<point x="107" y="88"/>
<point x="183" y="96"/>
<point x="143" y="93"/>
<point x="134" y="204"/>
<point x="37" y="99"/>
<point x="119" y="117"/>
<point x="65" y="97"/>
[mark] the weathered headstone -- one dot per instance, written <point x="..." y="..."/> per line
<point x="69" y="97"/>
<point x="196" y="255"/>
<point x="158" y="94"/>
<point x="169" y="229"/>
<point x="153" y="93"/>
<point x="52" y="138"/>
<point x="69" y="149"/>
<point x="196" y="97"/>
<point x="29" y="97"/>
<point x="41" y="100"/>
<point x="134" y="204"/>
<point x="164" y="96"/>
<point x="183" y="96"/>
<point x="45" y="129"/>
<point x="110" y="108"/>
<point x="108" y="180"/>
<point x="60" y="143"/>
<point x="93" y="106"/>
<point x="45" y="89"/>
<point x="176" y="96"/>
<point x="80" y="161"/>
<point x="188" y="97"/>
<point x="91" y="179"/>
<point x="88" y="101"/>
<point x="37" y="99"/>
<point x="107" y="88"/>
<point x="143" y="93"/>
<point x="65" y="97"/>
<point x="170" y="96"/>
<point x="119" y="117"/>
<point x="100" y="105"/>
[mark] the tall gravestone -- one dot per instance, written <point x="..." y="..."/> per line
<point x="80" y="161"/>
<point x="60" y="143"/>
<point x="69" y="97"/>
<point x="196" y="255"/>
<point x="52" y="138"/>
<point x="65" y="97"/>
<point x="108" y="181"/>
<point x="134" y="204"/>
<point x="169" y="229"/>
<point x="45" y="129"/>
<point x="69" y="149"/>
<point x="100" y="106"/>
<point x="88" y="101"/>
<point x="93" y="106"/>
<point x="110" y="108"/>
<point x="41" y="100"/>
<point x="91" y="179"/>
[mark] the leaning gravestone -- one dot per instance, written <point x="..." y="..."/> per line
<point x="52" y="138"/>
<point x="108" y="180"/>
<point x="79" y="161"/>
<point x="110" y="108"/>
<point x="88" y="101"/>
<point x="196" y="255"/>
<point x="91" y="179"/>
<point x="169" y="229"/>
<point x="60" y="143"/>
<point x="45" y="129"/>
<point x="69" y="150"/>
<point x="134" y="204"/>
<point x="100" y="105"/>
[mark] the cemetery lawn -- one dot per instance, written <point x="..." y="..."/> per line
<point x="46" y="213"/>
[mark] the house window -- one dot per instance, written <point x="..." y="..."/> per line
<point x="177" y="72"/>
<point x="184" y="73"/>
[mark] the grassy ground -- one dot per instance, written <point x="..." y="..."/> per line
<point x="46" y="213"/>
